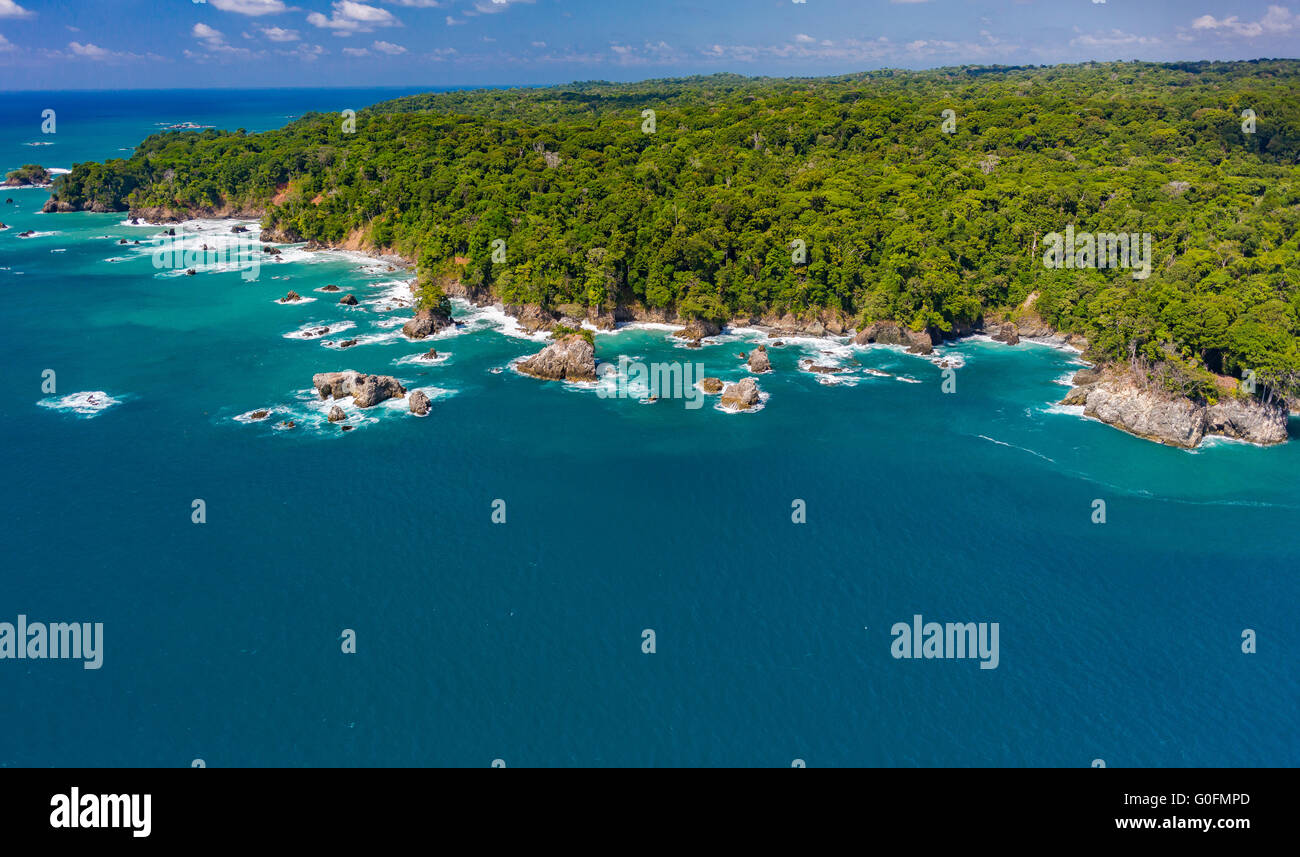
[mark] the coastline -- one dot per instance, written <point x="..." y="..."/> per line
<point x="829" y="328"/>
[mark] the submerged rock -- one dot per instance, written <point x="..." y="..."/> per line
<point x="418" y="403"/>
<point x="366" y="390"/>
<point x="259" y="415"/>
<point x="742" y="395"/>
<point x="570" y="358"/>
<point x="431" y="354"/>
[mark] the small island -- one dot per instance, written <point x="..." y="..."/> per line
<point x="29" y="175"/>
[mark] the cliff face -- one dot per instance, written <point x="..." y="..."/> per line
<point x="1122" y="400"/>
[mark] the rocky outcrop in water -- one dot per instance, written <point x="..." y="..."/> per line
<point x="893" y="333"/>
<point x="366" y="390"/>
<point x="426" y="323"/>
<point x="712" y="386"/>
<point x="348" y="300"/>
<point x="532" y="318"/>
<point x="758" y="361"/>
<point x="1005" y="332"/>
<point x="696" y="330"/>
<point x="418" y="403"/>
<point x="570" y="358"/>
<point x="742" y="395"/>
<point x="1124" y="401"/>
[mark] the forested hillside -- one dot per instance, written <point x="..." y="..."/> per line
<point x="900" y="219"/>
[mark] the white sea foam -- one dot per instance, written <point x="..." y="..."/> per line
<point x="86" y="404"/>
<point x="491" y="317"/>
<point x="247" y="416"/>
<point x="1013" y="446"/>
<point x="421" y="360"/>
<point x="366" y="339"/>
<point x="762" y="403"/>
<point x="300" y="300"/>
<point x="307" y="331"/>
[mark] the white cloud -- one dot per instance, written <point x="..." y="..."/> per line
<point x="357" y="52"/>
<point x="415" y="4"/>
<point x="388" y="48"/>
<point x="352" y="17"/>
<point x="254" y="8"/>
<point x="94" y="52"/>
<point x="304" y="52"/>
<point x="491" y="7"/>
<point x="278" y="34"/>
<point x="5" y="44"/>
<point x="1278" y="19"/>
<point x="1112" y="39"/>
<point x="10" y="9"/>
<point x="204" y="33"/>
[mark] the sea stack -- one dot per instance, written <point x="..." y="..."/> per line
<point x="366" y="390"/>
<point x="570" y="358"/>
<point x="742" y="395"/>
<point x="426" y="323"/>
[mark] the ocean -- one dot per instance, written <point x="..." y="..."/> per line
<point x="523" y="640"/>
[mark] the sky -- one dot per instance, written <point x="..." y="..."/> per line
<point x="153" y="44"/>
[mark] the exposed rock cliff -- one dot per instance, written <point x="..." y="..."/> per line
<point x="570" y="358"/>
<point x="893" y="333"/>
<point x="366" y="390"/>
<point x="1124" y="401"/>
<point x="742" y="395"/>
<point x="426" y="323"/>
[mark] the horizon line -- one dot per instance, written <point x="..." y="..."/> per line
<point x="959" y="66"/>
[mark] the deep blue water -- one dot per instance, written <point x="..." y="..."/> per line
<point x="522" y="641"/>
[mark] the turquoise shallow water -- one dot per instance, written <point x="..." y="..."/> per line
<point x="522" y="641"/>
